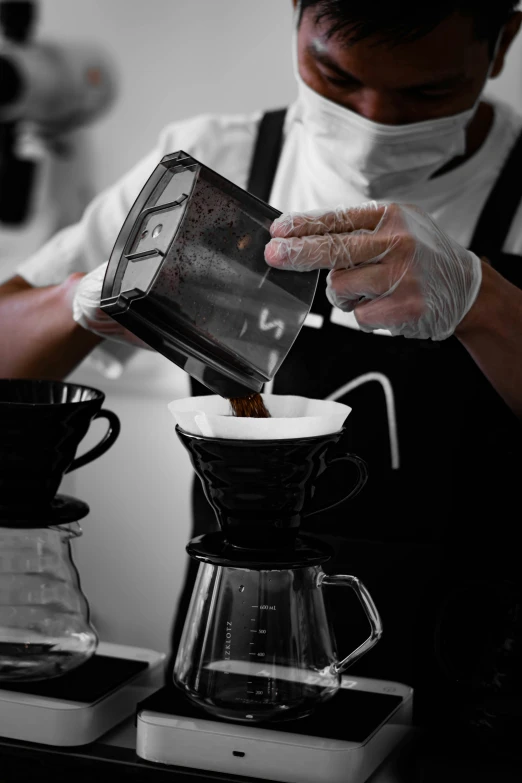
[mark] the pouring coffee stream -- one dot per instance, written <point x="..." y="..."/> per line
<point x="251" y="406"/>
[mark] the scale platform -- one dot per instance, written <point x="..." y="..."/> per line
<point x="84" y="704"/>
<point x="344" y="741"/>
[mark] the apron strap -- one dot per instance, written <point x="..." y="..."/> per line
<point x="500" y="208"/>
<point x="262" y="172"/>
<point x="263" y="167"/>
<point x="266" y="153"/>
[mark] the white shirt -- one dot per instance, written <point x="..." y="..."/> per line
<point x="225" y="144"/>
<point x="454" y="200"/>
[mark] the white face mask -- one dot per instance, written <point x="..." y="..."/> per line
<point x="378" y="160"/>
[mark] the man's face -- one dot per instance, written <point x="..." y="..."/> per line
<point x="438" y="75"/>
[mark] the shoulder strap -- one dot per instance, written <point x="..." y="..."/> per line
<point x="501" y="207"/>
<point x="266" y="153"/>
<point x="262" y="172"/>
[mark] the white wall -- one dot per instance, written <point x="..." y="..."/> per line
<point x="176" y="58"/>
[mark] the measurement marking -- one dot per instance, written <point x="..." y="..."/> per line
<point x="255" y="606"/>
<point x="252" y="619"/>
<point x="251" y="653"/>
<point x="252" y="630"/>
<point x="250" y="691"/>
<point x="252" y="642"/>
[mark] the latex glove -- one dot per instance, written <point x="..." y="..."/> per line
<point x="86" y="310"/>
<point x="390" y="264"/>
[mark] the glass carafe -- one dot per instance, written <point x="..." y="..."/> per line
<point x="257" y="644"/>
<point x="44" y="616"/>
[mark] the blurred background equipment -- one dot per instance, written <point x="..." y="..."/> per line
<point x="47" y="91"/>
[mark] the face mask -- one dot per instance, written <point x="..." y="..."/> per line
<point x="378" y="160"/>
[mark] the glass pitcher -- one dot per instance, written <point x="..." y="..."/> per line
<point x="44" y="616"/>
<point x="257" y="643"/>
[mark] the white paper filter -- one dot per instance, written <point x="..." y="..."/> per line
<point x="291" y="417"/>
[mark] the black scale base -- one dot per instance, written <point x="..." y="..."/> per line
<point x="351" y="715"/>
<point x="95" y="680"/>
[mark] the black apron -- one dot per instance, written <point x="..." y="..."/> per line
<point x="434" y="541"/>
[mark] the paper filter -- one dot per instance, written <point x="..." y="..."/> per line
<point x="291" y="417"/>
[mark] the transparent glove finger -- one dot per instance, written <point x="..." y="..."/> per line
<point x="97" y="321"/>
<point x="111" y="331"/>
<point x="330" y="251"/>
<point x="366" y="217"/>
<point x="346" y="287"/>
<point x="124" y="337"/>
<point x="399" y="315"/>
<point x="85" y="303"/>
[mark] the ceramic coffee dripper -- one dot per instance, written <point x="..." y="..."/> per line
<point x="45" y="629"/>
<point x="42" y="423"/>
<point x="262" y="487"/>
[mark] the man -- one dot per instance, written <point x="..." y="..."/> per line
<point x="421" y="326"/>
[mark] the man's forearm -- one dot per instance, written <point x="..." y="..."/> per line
<point x="492" y="334"/>
<point x="38" y="336"/>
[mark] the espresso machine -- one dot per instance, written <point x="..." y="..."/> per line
<point x="59" y="684"/>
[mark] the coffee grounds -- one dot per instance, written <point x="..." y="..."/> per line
<point x="252" y="406"/>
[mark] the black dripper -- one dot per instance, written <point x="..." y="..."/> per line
<point x="42" y="424"/>
<point x="260" y="491"/>
<point x="61" y="510"/>
<point x="214" y="548"/>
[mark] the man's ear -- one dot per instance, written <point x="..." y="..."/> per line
<point x="509" y="34"/>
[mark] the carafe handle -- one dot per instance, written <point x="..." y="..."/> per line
<point x="369" y="609"/>
<point x="362" y="478"/>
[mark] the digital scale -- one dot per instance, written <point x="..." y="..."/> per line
<point x="82" y="705"/>
<point x="343" y="741"/>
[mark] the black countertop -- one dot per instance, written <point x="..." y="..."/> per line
<point x="425" y="758"/>
<point x="113" y="757"/>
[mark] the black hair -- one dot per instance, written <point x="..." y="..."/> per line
<point x="396" y="21"/>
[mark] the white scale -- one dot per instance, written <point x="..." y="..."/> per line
<point x="344" y="741"/>
<point x="81" y="706"/>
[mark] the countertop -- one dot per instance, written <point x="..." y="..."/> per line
<point x="424" y="758"/>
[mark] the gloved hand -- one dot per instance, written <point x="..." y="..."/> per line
<point x="390" y="264"/>
<point x="86" y="309"/>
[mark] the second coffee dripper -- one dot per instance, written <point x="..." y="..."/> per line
<point x="45" y="630"/>
<point x="257" y="643"/>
